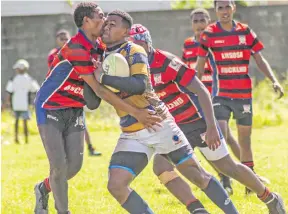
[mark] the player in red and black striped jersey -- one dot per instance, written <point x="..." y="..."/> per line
<point x="62" y="36"/>
<point x="173" y="81"/>
<point x="200" y="18"/>
<point x="231" y="44"/>
<point x="59" y="106"/>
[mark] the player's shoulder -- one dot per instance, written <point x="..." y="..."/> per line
<point x="211" y="28"/>
<point x="135" y="49"/>
<point x="53" y="51"/>
<point x="241" y="26"/>
<point x="165" y="54"/>
<point x="189" y="41"/>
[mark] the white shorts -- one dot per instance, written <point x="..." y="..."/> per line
<point x="217" y="154"/>
<point x="165" y="140"/>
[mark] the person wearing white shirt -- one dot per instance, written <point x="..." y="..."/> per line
<point x="19" y="89"/>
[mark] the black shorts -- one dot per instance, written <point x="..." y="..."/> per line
<point x="241" y="108"/>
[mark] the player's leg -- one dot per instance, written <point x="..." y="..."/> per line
<point x="51" y="126"/>
<point x="130" y="157"/>
<point x="16" y="126"/>
<point x="222" y="113"/>
<point x="164" y="170"/>
<point x="91" y="149"/>
<point x="26" y="117"/>
<point x="243" y="114"/>
<point x="176" y="147"/>
<point x="232" y="142"/>
<point x="74" y="141"/>
<point x="248" y="178"/>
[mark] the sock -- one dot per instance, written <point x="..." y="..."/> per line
<point x="218" y="195"/>
<point x="136" y="205"/>
<point x="266" y="196"/>
<point x="249" y="164"/>
<point x="45" y="186"/>
<point x="195" y="205"/>
<point x="90" y="147"/>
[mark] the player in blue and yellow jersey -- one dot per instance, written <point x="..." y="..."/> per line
<point x="136" y="144"/>
<point x="59" y="106"/>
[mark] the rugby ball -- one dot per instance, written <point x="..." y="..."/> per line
<point x="115" y="65"/>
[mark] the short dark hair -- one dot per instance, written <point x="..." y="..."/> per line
<point x="200" y="11"/>
<point x="61" y="32"/>
<point x="126" y="18"/>
<point x="215" y="2"/>
<point x="84" y="9"/>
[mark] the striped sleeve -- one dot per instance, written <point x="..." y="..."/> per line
<point x="204" y="45"/>
<point x="79" y="57"/>
<point x="257" y="45"/>
<point x="178" y="71"/>
<point x="138" y="61"/>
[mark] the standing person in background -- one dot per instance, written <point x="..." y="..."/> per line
<point x="62" y="36"/>
<point x="232" y="44"/>
<point x="200" y="19"/>
<point x="19" y="89"/>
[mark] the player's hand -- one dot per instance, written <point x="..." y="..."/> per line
<point x="278" y="89"/>
<point x="148" y="118"/>
<point x="212" y="138"/>
<point x="98" y="73"/>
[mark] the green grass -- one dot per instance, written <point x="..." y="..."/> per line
<point x="24" y="165"/>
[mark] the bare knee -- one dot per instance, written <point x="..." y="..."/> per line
<point x="192" y="170"/>
<point x="227" y="166"/>
<point x="161" y="164"/>
<point x="73" y="168"/>
<point x="116" y="186"/>
<point x="59" y="171"/>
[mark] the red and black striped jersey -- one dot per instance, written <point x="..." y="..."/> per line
<point x="51" y="56"/>
<point x="231" y="52"/>
<point x="189" y="56"/>
<point x="169" y="77"/>
<point x="63" y="86"/>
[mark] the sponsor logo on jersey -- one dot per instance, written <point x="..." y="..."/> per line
<point x="175" y="103"/>
<point x="76" y="90"/>
<point x="232" y="55"/>
<point x="157" y="78"/>
<point x="231" y="70"/>
<point x="242" y="40"/>
<point x="219" y="41"/>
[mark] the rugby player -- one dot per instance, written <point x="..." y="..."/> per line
<point x="194" y="115"/>
<point x="59" y="106"/>
<point x="231" y="45"/>
<point x="136" y="144"/>
<point x="62" y="36"/>
<point x="200" y="18"/>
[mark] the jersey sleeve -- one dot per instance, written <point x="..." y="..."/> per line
<point x="79" y="58"/>
<point x="184" y="59"/>
<point x="138" y="61"/>
<point x="34" y="87"/>
<point x="257" y="45"/>
<point x="178" y="71"/>
<point x="9" y="87"/>
<point x="204" y="45"/>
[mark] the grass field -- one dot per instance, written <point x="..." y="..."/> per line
<point x="24" y="165"/>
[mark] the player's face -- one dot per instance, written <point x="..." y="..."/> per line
<point x="142" y="44"/>
<point x="199" y="23"/>
<point x="62" y="39"/>
<point x="95" y="24"/>
<point x="114" y="30"/>
<point x="224" y="11"/>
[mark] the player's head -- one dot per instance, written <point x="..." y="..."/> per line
<point x="224" y="10"/>
<point x="116" y="27"/>
<point x="140" y="35"/>
<point x="200" y="18"/>
<point x="21" y="66"/>
<point x="89" y="17"/>
<point x="62" y="36"/>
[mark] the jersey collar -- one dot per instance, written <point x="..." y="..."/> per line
<point x="233" y="28"/>
<point x="87" y="42"/>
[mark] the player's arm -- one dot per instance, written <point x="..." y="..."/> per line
<point x="137" y="82"/>
<point x="183" y="54"/>
<point x="203" y="52"/>
<point x="9" y="91"/>
<point x="266" y="69"/>
<point x="186" y="77"/>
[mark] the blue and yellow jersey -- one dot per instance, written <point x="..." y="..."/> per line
<point x="138" y="62"/>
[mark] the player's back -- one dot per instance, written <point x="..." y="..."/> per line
<point x="138" y="64"/>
